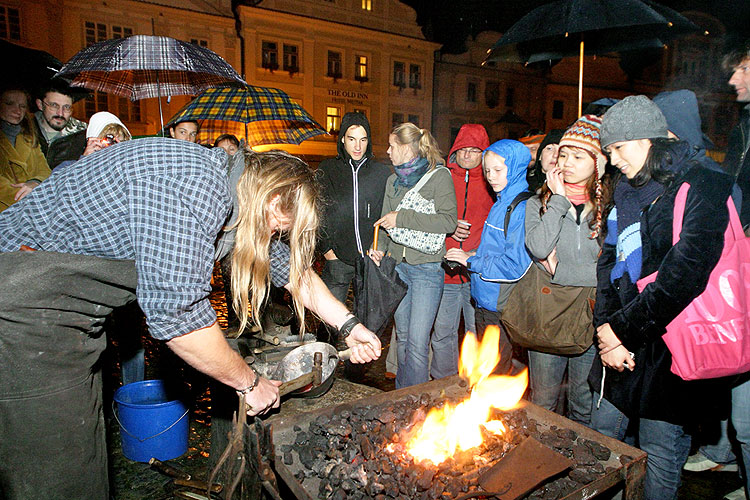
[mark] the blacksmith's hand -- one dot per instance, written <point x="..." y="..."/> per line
<point x="264" y="397"/>
<point x="365" y="345"/>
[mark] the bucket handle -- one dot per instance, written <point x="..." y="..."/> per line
<point x="114" y="412"/>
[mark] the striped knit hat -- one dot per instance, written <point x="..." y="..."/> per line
<point x="584" y="134"/>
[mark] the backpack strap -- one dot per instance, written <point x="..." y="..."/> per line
<point x="523" y="196"/>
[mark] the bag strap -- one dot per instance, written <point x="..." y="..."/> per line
<point x="734" y="228"/>
<point x="418" y="185"/>
<point x="523" y="196"/>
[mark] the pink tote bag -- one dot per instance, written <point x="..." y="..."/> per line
<point x="709" y="338"/>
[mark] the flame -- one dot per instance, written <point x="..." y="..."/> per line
<point x="458" y="428"/>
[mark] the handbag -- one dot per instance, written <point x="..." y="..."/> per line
<point x="546" y="317"/>
<point x="422" y="241"/>
<point x="710" y="337"/>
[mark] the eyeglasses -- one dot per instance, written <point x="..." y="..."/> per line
<point x="470" y="151"/>
<point x="56" y="107"/>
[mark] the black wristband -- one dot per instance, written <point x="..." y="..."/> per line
<point x="346" y="328"/>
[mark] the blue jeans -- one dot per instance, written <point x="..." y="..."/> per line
<point x="667" y="446"/>
<point x="546" y="374"/>
<point x="414" y="318"/>
<point x="741" y="423"/>
<point x="456" y="299"/>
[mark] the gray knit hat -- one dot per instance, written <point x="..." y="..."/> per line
<point x="635" y="117"/>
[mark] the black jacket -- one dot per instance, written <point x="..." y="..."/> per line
<point x="639" y="319"/>
<point x="348" y="189"/>
<point x="737" y="161"/>
<point x="70" y="147"/>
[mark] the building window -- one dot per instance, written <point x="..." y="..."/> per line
<point x="96" y="101"/>
<point x="399" y="74"/>
<point x="10" y="23"/>
<point x="415" y="76"/>
<point x="492" y="94"/>
<point x="366" y="4"/>
<point x="270" y="55"/>
<point x="414" y="119"/>
<point x="199" y="42"/>
<point x="291" y="58"/>
<point x="557" y="110"/>
<point x="333" y="119"/>
<point x="471" y="92"/>
<point x="125" y="109"/>
<point x="98" y="32"/>
<point x="360" y="68"/>
<point x="334" y="64"/>
<point x="509" y="97"/>
<point x="397" y="119"/>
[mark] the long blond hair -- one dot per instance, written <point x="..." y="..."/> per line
<point x="267" y="176"/>
<point x="421" y="142"/>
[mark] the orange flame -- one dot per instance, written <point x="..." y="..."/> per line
<point x="453" y="428"/>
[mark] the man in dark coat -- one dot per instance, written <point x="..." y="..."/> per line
<point x="736" y="162"/>
<point x="61" y="136"/>
<point x="353" y="186"/>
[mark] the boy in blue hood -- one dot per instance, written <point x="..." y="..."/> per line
<point x="501" y="259"/>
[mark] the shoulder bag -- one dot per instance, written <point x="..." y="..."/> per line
<point x="422" y="241"/>
<point x="711" y="337"/>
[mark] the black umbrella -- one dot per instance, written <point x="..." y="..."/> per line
<point x="378" y="290"/>
<point x="576" y="27"/>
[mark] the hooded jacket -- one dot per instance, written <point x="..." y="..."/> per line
<point x="353" y="196"/>
<point x="502" y="259"/>
<point x="473" y="195"/>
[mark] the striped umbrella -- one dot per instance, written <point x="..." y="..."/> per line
<point x="142" y="66"/>
<point x="262" y="115"/>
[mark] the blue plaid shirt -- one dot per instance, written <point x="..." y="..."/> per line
<point x="160" y="202"/>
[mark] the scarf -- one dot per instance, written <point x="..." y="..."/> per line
<point x="11" y="131"/>
<point x="624" y="221"/>
<point x="409" y="173"/>
<point x="577" y="194"/>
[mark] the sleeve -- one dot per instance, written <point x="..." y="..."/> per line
<point x="695" y="255"/>
<point x="607" y="298"/>
<point x="174" y="223"/>
<point x="543" y="232"/>
<point x="39" y="170"/>
<point x="445" y="219"/>
<point x="509" y="262"/>
<point x="388" y="206"/>
<point x="280" y="256"/>
<point x="324" y="180"/>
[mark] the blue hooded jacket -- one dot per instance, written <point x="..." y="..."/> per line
<point x="501" y="259"/>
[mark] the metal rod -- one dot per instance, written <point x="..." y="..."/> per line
<point x="580" y="78"/>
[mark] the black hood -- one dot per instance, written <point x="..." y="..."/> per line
<point x="347" y="121"/>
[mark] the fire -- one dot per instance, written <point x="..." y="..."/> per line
<point x="457" y="428"/>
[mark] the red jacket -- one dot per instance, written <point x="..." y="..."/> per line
<point x="473" y="195"/>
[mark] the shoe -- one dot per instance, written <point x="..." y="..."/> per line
<point x="699" y="463"/>
<point x="736" y="495"/>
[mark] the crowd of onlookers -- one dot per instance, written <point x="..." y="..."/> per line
<point x="586" y="211"/>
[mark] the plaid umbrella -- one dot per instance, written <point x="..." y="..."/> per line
<point x="142" y="66"/>
<point x="262" y="115"/>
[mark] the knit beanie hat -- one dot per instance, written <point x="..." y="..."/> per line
<point x="635" y="117"/>
<point x="100" y="120"/>
<point x="584" y="134"/>
<point x="531" y="139"/>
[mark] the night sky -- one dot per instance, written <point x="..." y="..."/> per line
<point x="450" y="21"/>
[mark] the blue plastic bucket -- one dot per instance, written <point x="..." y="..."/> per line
<point x="151" y="425"/>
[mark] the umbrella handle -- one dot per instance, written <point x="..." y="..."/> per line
<point x="375" y="240"/>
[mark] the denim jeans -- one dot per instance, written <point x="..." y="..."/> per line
<point x="667" y="446"/>
<point x="741" y="423"/>
<point x="414" y="318"/>
<point x="456" y="299"/>
<point x="546" y="374"/>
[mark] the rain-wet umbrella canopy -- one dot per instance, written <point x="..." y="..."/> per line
<point x="576" y="27"/>
<point x="143" y="66"/>
<point x="262" y="115"/>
